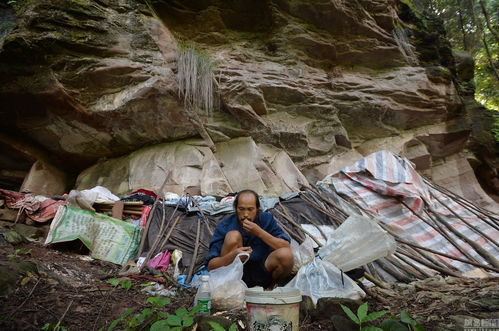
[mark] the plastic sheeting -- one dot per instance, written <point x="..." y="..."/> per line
<point x="321" y="279"/>
<point x="358" y="241"/>
<point x="382" y="181"/>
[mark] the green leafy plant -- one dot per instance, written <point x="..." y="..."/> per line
<point x="363" y="317"/>
<point x="126" y="283"/>
<point x="19" y="252"/>
<point x="146" y="284"/>
<point x="406" y="323"/>
<point x="153" y="319"/>
<point x="217" y="327"/>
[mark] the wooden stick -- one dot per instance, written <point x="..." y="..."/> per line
<point x="291" y="233"/>
<point x="300" y="229"/>
<point x="479" y="249"/>
<point x="326" y="199"/>
<point x="477" y="230"/>
<point x="423" y="274"/>
<point x="156" y="240"/>
<point x="461" y="200"/>
<point x="168" y="235"/>
<point x="126" y="203"/>
<point x="316" y="226"/>
<point x="375" y="281"/>
<point x="333" y="217"/>
<point x="289" y="219"/>
<point x="26" y="299"/>
<point x="371" y="269"/>
<point x="56" y="327"/>
<point x="195" y="254"/>
<point x="129" y="212"/>
<point x="405" y="268"/>
<point x="148" y="224"/>
<point x="110" y="207"/>
<point x="439" y="230"/>
<point x="388" y="268"/>
<point x="430" y="258"/>
<point x="151" y="213"/>
<point x="196" y="204"/>
<point x="477" y="264"/>
<point x="429" y="265"/>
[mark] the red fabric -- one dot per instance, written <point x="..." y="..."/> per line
<point x="39" y="211"/>
<point x="11" y="197"/>
<point x="47" y="210"/>
<point x="145" y="214"/>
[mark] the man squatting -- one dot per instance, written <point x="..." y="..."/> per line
<point x="257" y="233"/>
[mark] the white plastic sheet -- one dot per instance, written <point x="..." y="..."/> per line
<point x="358" y="241"/>
<point x="321" y="279"/>
<point x="103" y="194"/>
<point x="302" y="253"/>
<point x="227" y="285"/>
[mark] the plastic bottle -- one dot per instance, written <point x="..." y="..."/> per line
<point x="203" y="296"/>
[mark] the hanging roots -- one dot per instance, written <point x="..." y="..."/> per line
<point x="195" y="79"/>
<point x="400" y="36"/>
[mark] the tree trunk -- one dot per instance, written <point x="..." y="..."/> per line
<point x="461" y="25"/>
<point x="487" y="21"/>
<point x="479" y="27"/>
<point x="489" y="58"/>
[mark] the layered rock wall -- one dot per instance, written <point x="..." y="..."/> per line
<point x="304" y="88"/>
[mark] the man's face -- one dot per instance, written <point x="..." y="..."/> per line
<point x="246" y="207"/>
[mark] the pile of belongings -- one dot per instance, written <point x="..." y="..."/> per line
<point x="378" y="214"/>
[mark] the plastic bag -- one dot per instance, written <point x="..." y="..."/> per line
<point x="227" y="286"/>
<point x="82" y="199"/>
<point x="359" y="240"/>
<point x="302" y="253"/>
<point x="321" y="279"/>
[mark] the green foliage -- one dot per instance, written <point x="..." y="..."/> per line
<point x="363" y="317"/>
<point x="406" y="323"/>
<point x="7" y="2"/>
<point x="153" y="319"/>
<point x="217" y="327"/>
<point x="146" y="284"/>
<point x="159" y="301"/>
<point x="472" y="26"/>
<point x="53" y="327"/>
<point x="19" y="252"/>
<point x="495" y="129"/>
<point x="126" y="283"/>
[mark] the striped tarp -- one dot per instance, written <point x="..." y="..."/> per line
<point x="383" y="182"/>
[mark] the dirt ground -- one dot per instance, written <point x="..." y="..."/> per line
<point x="42" y="285"/>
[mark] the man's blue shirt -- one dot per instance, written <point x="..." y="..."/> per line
<point x="260" y="249"/>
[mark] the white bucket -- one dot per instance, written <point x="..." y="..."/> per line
<point x="277" y="310"/>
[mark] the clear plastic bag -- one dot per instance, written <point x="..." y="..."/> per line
<point x="302" y="253"/>
<point x="321" y="279"/>
<point x="358" y="241"/>
<point x="227" y="285"/>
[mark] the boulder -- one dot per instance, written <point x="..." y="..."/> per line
<point x="190" y="166"/>
<point x="45" y="179"/>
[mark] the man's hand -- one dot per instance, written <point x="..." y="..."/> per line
<point x="251" y="228"/>
<point x="239" y="250"/>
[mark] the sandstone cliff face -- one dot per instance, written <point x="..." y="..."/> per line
<point x="315" y="84"/>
